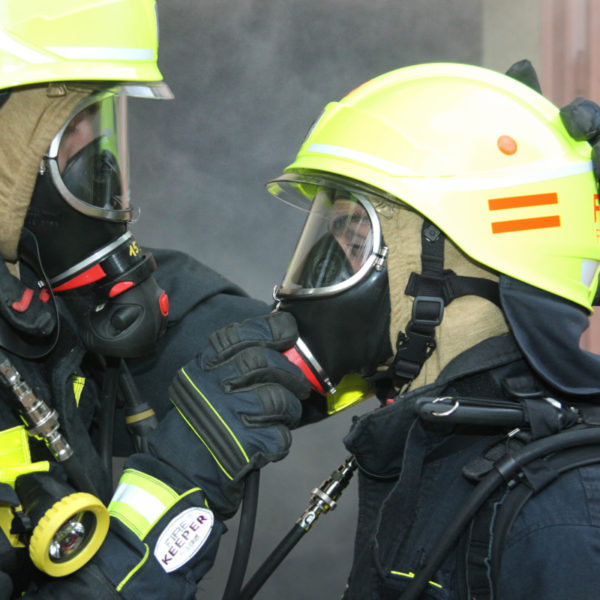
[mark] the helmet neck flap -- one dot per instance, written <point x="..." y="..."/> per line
<point x="554" y="351"/>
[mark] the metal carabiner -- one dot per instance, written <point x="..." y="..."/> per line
<point x="448" y="412"/>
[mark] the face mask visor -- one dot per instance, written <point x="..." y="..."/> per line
<point x="341" y="239"/>
<point x="88" y="158"/>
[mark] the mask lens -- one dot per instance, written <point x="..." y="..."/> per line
<point x="91" y="162"/>
<point x="335" y="244"/>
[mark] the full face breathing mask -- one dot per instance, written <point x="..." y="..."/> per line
<point x="336" y="284"/>
<point x="76" y="234"/>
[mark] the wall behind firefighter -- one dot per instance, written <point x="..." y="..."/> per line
<point x="249" y="77"/>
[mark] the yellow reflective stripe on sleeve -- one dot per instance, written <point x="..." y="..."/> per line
<point x="78" y="384"/>
<point x="140" y="500"/>
<point x="411" y="575"/>
<point x="239" y="445"/>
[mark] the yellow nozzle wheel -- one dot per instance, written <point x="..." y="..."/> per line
<point x="69" y="534"/>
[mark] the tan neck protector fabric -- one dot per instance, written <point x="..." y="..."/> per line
<point x="467" y="320"/>
<point x="29" y="120"/>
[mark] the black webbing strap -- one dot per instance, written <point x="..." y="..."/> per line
<point x="455" y="286"/>
<point x="415" y="345"/>
<point x="432" y="289"/>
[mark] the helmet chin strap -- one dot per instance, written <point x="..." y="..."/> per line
<point x="433" y="289"/>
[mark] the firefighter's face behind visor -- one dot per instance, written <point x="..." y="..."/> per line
<point x="76" y="232"/>
<point x="339" y="243"/>
<point x="80" y="203"/>
<point x="336" y="283"/>
<point x="88" y="159"/>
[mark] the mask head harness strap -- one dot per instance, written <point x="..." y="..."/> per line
<point x="432" y="289"/>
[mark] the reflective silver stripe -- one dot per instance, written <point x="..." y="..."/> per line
<point x="361" y="157"/>
<point x="21" y="51"/>
<point x="90" y="261"/>
<point x="142" y="502"/>
<point x="533" y="173"/>
<point x="544" y="170"/>
<point x="98" y="53"/>
<point x="589" y="268"/>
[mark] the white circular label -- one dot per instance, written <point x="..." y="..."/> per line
<point x="183" y="537"/>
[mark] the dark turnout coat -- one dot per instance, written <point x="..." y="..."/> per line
<point x="416" y="475"/>
<point x="70" y="380"/>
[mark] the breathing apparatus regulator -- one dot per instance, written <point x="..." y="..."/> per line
<point x="76" y="242"/>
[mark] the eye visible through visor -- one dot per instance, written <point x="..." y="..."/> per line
<point x="339" y="243"/>
<point x="88" y="158"/>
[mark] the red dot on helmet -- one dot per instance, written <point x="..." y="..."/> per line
<point x="163" y="303"/>
<point x="119" y="288"/>
<point x="507" y="145"/>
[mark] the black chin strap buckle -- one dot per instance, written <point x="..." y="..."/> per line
<point x="415" y="346"/>
<point x="427" y="313"/>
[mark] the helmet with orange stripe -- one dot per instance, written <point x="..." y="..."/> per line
<point x="435" y="182"/>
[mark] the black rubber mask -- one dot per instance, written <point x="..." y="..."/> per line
<point x="99" y="271"/>
<point x="76" y="237"/>
<point x="347" y="332"/>
<point x="337" y="288"/>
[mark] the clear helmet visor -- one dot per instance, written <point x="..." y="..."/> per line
<point x="88" y="158"/>
<point x="340" y="241"/>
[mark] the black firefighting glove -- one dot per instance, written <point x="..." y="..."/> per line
<point x="236" y="403"/>
<point x="22" y="307"/>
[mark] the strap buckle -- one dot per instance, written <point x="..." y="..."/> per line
<point x="427" y="311"/>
